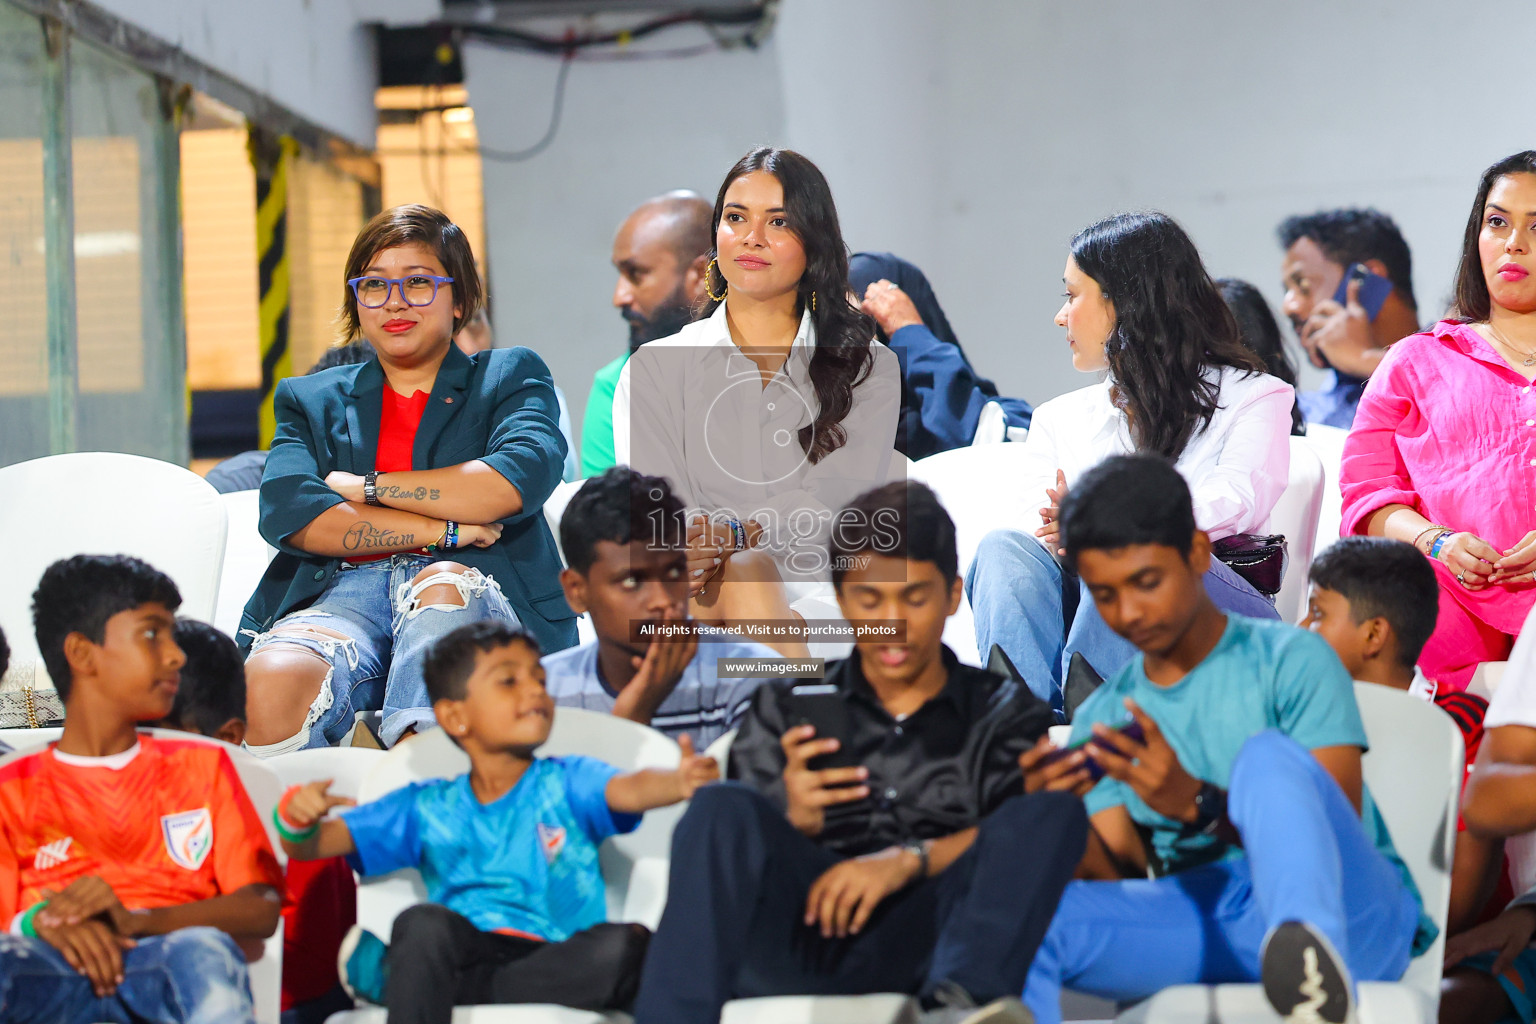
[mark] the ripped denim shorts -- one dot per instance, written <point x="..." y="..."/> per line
<point x="388" y="631"/>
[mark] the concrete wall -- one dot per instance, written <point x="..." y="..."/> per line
<point x="315" y="58"/>
<point x="630" y="130"/>
<point x="976" y="138"/>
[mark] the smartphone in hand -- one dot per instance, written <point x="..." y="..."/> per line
<point x="822" y="706"/>
<point x="1131" y="729"/>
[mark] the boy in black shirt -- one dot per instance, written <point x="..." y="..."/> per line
<point x="918" y="865"/>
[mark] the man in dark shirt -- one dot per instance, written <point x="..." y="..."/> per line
<point x="915" y="863"/>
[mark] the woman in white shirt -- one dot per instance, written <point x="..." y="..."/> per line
<point x="1140" y="305"/>
<point x="774" y="410"/>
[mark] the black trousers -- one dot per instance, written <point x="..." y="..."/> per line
<point x="438" y="960"/>
<point x="733" y="925"/>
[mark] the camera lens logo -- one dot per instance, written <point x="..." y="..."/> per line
<point x="734" y="441"/>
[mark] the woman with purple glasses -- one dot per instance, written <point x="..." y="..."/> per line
<point x="404" y="495"/>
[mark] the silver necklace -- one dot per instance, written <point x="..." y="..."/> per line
<point x="1530" y="357"/>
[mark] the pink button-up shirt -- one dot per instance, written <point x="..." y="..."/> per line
<point x="1449" y="429"/>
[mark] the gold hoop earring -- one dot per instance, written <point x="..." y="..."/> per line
<point x="709" y="273"/>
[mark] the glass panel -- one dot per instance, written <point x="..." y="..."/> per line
<point x="24" y="341"/>
<point x="125" y="343"/>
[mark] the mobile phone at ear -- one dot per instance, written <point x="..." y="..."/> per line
<point x="821" y="706"/>
<point x="1374" y="289"/>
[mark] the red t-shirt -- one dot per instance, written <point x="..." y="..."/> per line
<point x="170" y="824"/>
<point x="398" y="423"/>
<point x="397" y="430"/>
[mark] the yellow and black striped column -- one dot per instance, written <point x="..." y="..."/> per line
<point x="273" y="158"/>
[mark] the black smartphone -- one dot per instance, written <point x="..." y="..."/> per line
<point x="1131" y="730"/>
<point x="821" y="705"/>
<point x="1374" y="289"/>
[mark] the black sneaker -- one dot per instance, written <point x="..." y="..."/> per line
<point x="1304" y="977"/>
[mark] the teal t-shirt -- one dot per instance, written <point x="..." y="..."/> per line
<point x="1262" y="674"/>
<point x="597" y="425"/>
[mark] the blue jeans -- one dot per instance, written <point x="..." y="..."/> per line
<point x="1022" y="603"/>
<point x="389" y="634"/>
<point x="1303" y="841"/>
<point x="189" y="976"/>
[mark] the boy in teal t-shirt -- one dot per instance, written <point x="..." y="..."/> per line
<point x="1271" y="862"/>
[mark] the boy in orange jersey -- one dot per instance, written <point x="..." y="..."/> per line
<point x="133" y="870"/>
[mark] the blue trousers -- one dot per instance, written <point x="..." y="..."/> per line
<point x="389" y="634"/>
<point x="189" y="976"/>
<point x="1025" y="603"/>
<point x="1308" y="858"/>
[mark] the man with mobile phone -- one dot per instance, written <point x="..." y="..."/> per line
<point x="1270" y="861"/>
<point x="901" y="855"/>
<point x="1348" y="278"/>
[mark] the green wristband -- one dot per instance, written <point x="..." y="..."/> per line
<point x="26" y="919"/>
<point x="288" y="833"/>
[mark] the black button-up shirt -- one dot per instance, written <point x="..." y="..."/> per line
<point x="939" y="770"/>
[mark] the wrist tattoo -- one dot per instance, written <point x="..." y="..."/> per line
<point x="367" y="537"/>
<point x="410" y="493"/>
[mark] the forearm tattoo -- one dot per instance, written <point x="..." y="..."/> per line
<point x="367" y="537"/>
<point x="408" y="493"/>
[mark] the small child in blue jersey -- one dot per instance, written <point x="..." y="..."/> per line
<point x="508" y="852"/>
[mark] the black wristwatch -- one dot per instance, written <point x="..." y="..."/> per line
<point x="1210" y="808"/>
<point x="371" y="488"/>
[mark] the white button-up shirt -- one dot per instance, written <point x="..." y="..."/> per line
<point x="1236" y="467"/>
<point x="694" y="409"/>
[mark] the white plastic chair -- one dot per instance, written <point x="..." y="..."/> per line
<point x="554" y="508"/>
<point x="262" y="786"/>
<point x="346" y="767"/>
<point x="1295" y="515"/>
<point x="246" y="555"/>
<point x="1327" y="443"/>
<point x="982" y="491"/>
<point x="27" y="739"/>
<point x="720" y="750"/>
<point x="634" y="866"/>
<point x="1414" y="770"/>
<point x="1487" y="678"/>
<point x="105" y="503"/>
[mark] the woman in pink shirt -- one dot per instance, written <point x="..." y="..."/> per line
<point x="1443" y="450"/>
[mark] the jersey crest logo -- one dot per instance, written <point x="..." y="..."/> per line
<point x="188" y="837"/>
<point x="52" y="854"/>
<point x="551" y="841"/>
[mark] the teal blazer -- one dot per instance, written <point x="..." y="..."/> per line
<point x="497" y="406"/>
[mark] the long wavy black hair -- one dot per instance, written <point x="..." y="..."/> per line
<point x="1472" y="299"/>
<point x="842" y="359"/>
<point x="1170" y="324"/>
